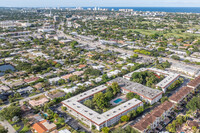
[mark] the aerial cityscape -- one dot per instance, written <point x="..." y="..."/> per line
<point x="100" y="67"/>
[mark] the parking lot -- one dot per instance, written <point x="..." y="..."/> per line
<point x="68" y="119"/>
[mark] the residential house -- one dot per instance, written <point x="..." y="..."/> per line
<point x="30" y="80"/>
<point x="25" y="90"/>
<point x="39" y="102"/>
<point x="194" y="83"/>
<point x="4" y="88"/>
<point x="180" y="95"/>
<point x="54" y="80"/>
<point x="43" y="127"/>
<point x="153" y="119"/>
<point x="53" y="95"/>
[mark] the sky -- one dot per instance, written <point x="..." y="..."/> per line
<point x="100" y="3"/>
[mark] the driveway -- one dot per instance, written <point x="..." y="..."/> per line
<point x="7" y="125"/>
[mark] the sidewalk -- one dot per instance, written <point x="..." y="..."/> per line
<point x="7" y="125"/>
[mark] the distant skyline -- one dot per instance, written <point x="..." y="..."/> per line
<point x="100" y="3"/>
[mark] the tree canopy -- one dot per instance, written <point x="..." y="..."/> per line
<point x="194" y="103"/>
<point x="9" y="112"/>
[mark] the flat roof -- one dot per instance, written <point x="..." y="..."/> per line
<point x="184" y="67"/>
<point x="169" y="76"/>
<point x="144" y="90"/>
<point x="88" y="93"/>
<point x="136" y="88"/>
<point x="121" y="108"/>
<point x="95" y="117"/>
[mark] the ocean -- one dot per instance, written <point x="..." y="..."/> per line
<point x="159" y="9"/>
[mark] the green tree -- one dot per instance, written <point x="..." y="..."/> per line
<point x="93" y="127"/>
<point x="88" y="103"/>
<point x="93" y="72"/>
<point x="140" y="109"/>
<point x="124" y="118"/>
<point x="115" y="87"/>
<point x="9" y="112"/>
<point x="130" y="95"/>
<point x="105" y="78"/>
<point x="163" y="99"/>
<point x="134" y="113"/>
<point x="55" y="116"/>
<point x="175" y="57"/>
<point x="105" y="130"/>
<point x="100" y="100"/>
<point x="73" y="44"/>
<point x="194" y="103"/>
<point x="109" y="95"/>
<point x="171" y="128"/>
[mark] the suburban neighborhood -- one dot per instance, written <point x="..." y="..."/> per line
<point x="99" y="70"/>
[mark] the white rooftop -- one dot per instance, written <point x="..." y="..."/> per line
<point x="169" y="76"/>
<point x="137" y="88"/>
<point x="74" y="102"/>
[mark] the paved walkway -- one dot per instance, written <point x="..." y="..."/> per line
<point x="7" y="125"/>
<point x="22" y="126"/>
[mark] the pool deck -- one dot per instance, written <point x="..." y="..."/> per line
<point x="123" y="97"/>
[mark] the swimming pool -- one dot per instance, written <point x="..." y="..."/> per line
<point x="117" y="100"/>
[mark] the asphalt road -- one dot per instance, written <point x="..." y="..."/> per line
<point x="29" y="98"/>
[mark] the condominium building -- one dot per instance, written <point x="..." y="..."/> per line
<point x="148" y="94"/>
<point x="90" y="117"/>
<point x="164" y="84"/>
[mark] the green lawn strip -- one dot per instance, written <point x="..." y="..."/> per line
<point x="25" y="129"/>
<point x="16" y="127"/>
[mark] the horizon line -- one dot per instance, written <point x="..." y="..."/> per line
<point x="99" y="6"/>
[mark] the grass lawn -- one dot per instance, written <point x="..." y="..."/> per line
<point x="25" y="129"/>
<point x="38" y="98"/>
<point x="11" y="122"/>
<point x="16" y="127"/>
<point x="32" y="94"/>
<point x="146" y="32"/>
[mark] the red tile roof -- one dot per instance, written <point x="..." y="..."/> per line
<point x="66" y="76"/>
<point x="33" y="79"/>
<point x="151" y="117"/>
<point x="145" y="122"/>
<point x="39" y="127"/>
<point x="178" y="96"/>
<point x="81" y="66"/>
<point x="195" y="83"/>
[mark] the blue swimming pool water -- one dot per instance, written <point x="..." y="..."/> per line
<point x="46" y="115"/>
<point x="117" y="100"/>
